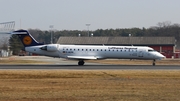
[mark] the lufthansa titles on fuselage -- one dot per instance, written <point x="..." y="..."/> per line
<point x="122" y="48"/>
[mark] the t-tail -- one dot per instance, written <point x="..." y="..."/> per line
<point x="26" y="38"/>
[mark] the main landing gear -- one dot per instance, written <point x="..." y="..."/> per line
<point x="154" y="62"/>
<point x="81" y="62"/>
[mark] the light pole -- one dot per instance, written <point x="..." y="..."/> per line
<point x="51" y="27"/>
<point x="88" y="28"/>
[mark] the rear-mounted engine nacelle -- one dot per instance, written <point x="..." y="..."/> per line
<point x="50" y="48"/>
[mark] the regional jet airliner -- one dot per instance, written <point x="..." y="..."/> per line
<point x="87" y="52"/>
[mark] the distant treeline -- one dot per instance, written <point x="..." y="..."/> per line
<point x="162" y="29"/>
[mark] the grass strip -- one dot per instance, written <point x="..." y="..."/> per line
<point x="79" y="85"/>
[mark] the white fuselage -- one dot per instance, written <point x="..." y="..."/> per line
<point x="95" y="52"/>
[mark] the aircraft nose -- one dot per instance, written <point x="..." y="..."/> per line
<point x="160" y="56"/>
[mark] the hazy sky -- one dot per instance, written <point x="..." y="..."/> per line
<point x="101" y="14"/>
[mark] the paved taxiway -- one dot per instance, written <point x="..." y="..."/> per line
<point x="91" y="67"/>
<point x="56" y="63"/>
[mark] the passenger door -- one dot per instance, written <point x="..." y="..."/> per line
<point x="140" y="54"/>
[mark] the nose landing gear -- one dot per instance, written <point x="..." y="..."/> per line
<point x="154" y="62"/>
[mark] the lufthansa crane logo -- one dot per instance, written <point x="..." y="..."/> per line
<point x="27" y="40"/>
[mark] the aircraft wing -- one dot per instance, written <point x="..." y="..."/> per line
<point x="83" y="57"/>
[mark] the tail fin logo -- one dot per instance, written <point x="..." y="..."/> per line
<point x="27" y="40"/>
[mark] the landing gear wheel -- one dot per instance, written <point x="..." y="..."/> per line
<point x="81" y="62"/>
<point x="154" y="62"/>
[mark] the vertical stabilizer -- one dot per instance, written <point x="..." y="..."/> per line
<point x="26" y="38"/>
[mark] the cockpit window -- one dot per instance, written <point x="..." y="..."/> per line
<point x="150" y="50"/>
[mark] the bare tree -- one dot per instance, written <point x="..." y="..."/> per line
<point x="4" y="43"/>
<point x="164" y="24"/>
